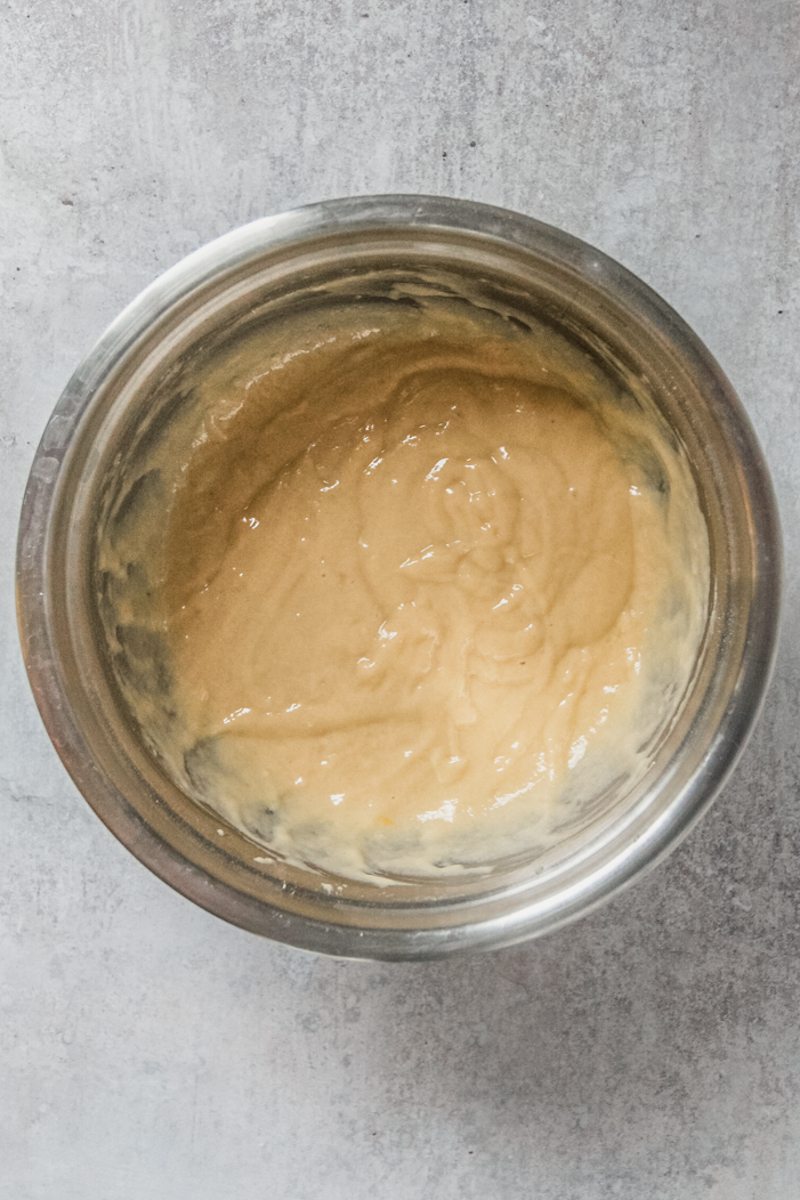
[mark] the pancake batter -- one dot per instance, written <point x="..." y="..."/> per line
<point x="426" y="584"/>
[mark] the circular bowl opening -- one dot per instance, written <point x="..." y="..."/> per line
<point x="129" y="388"/>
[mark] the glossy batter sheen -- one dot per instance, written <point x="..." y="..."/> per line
<point x="424" y="589"/>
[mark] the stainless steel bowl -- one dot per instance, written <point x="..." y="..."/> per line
<point x="362" y="244"/>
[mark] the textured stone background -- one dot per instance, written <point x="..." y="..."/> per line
<point x="148" y="1050"/>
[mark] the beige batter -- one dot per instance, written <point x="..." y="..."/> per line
<point x="427" y="585"/>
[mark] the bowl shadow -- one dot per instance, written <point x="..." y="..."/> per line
<point x="646" y="1043"/>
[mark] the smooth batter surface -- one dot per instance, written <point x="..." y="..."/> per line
<point x="427" y="587"/>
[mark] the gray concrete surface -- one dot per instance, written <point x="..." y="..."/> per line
<point x="652" y="1051"/>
